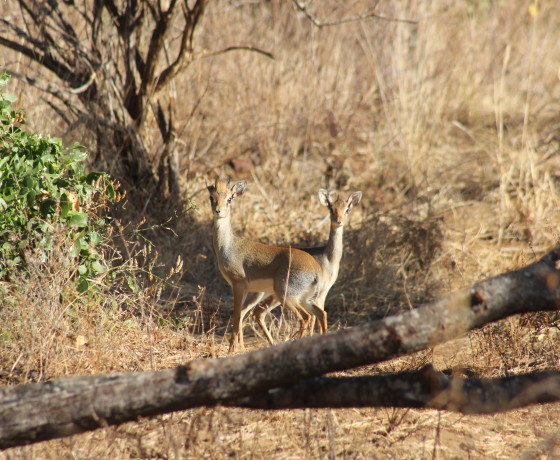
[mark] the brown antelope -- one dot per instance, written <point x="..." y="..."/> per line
<point x="327" y="256"/>
<point x="290" y="275"/>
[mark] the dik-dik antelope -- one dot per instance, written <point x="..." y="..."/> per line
<point x="292" y="276"/>
<point x="327" y="256"/>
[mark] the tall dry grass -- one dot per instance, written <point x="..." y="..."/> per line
<point x="449" y="127"/>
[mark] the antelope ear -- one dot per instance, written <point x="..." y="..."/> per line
<point x="324" y="197"/>
<point x="333" y="196"/>
<point x="354" y="198"/>
<point x="238" y="188"/>
<point x="210" y="187"/>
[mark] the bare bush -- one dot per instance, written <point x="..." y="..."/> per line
<point x="106" y="65"/>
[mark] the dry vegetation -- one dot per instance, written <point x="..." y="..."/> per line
<point x="451" y="129"/>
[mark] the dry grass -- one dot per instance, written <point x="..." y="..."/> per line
<point x="449" y="127"/>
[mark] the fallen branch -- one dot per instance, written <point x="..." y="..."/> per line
<point x="425" y="388"/>
<point x="34" y="412"/>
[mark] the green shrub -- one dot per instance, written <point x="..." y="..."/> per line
<point x="43" y="189"/>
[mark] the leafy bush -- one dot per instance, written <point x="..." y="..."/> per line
<point x="43" y="189"/>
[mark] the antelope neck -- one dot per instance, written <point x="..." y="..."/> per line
<point x="334" y="245"/>
<point x="223" y="235"/>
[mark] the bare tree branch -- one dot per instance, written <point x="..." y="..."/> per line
<point x="21" y="34"/>
<point x="66" y="29"/>
<point x="43" y="85"/>
<point x="111" y="7"/>
<point x="192" y="17"/>
<point x="425" y="388"/>
<point x="156" y="45"/>
<point x="58" y="68"/>
<point x="254" y="49"/>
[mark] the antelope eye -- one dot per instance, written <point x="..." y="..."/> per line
<point x="229" y="200"/>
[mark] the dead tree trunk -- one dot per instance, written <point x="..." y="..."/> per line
<point x="66" y="406"/>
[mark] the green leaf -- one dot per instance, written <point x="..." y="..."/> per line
<point x="74" y="156"/>
<point x="9" y="97"/>
<point x="130" y="323"/>
<point x="65" y="208"/>
<point x="47" y="158"/>
<point x="31" y="195"/>
<point x="83" y="285"/>
<point x="132" y="284"/>
<point x="77" y="219"/>
<point x="82" y="244"/>
<point x="75" y="251"/>
<point x="95" y="237"/>
<point x="110" y="191"/>
<point x="46" y="227"/>
<point x="4" y="79"/>
<point x="98" y="267"/>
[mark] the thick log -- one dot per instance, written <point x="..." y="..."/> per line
<point x="34" y="412"/>
<point x="425" y="388"/>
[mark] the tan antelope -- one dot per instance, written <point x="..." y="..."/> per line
<point x="292" y="276"/>
<point x="327" y="256"/>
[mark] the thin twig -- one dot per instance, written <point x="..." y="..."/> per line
<point x="206" y="54"/>
<point x="85" y="86"/>
<point x="360" y="17"/>
<point x="261" y="189"/>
